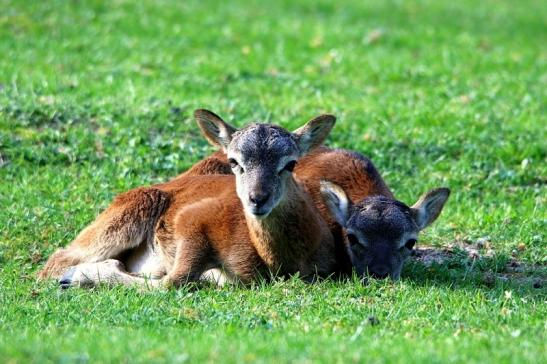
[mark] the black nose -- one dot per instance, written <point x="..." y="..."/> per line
<point x="259" y="199"/>
<point x="379" y="271"/>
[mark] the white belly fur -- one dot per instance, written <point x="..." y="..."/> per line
<point x="144" y="261"/>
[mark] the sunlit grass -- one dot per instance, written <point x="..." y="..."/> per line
<point x="97" y="97"/>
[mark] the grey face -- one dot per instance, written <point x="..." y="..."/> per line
<point x="381" y="232"/>
<point x="262" y="157"/>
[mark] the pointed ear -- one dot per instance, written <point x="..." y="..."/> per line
<point x="216" y="130"/>
<point x="314" y="132"/>
<point x="429" y="206"/>
<point x="337" y="201"/>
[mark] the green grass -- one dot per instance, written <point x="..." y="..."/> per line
<point x="96" y="98"/>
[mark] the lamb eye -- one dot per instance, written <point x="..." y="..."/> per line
<point x="290" y="166"/>
<point x="410" y="244"/>
<point x="233" y="163"/>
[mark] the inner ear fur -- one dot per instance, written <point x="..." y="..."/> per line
<point x="216" y="131"/>
<point x="337" y="201"/>
<point x="314" y="132"/>
<point x="429" y="206"/>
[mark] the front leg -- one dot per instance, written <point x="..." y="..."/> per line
<point x="193" y="257"/>
<point x="244" y="264"/>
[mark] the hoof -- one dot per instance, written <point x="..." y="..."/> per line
<point x="66" y="280"/>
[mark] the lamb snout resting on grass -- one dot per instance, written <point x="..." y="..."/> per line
<point x="261" y="222"/>
<point x="380" y="231"/>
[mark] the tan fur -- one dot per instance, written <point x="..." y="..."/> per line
<point x="135" y="216"/>
<point x="205" y="227"/>
<point x="195" y="223"/>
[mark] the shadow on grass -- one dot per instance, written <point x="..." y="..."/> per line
<point x="464" y="268"/>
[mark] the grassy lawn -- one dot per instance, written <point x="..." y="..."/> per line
<point x="97" y="97"/>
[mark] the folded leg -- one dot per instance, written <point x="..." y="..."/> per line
<point x="128" y="222"/>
